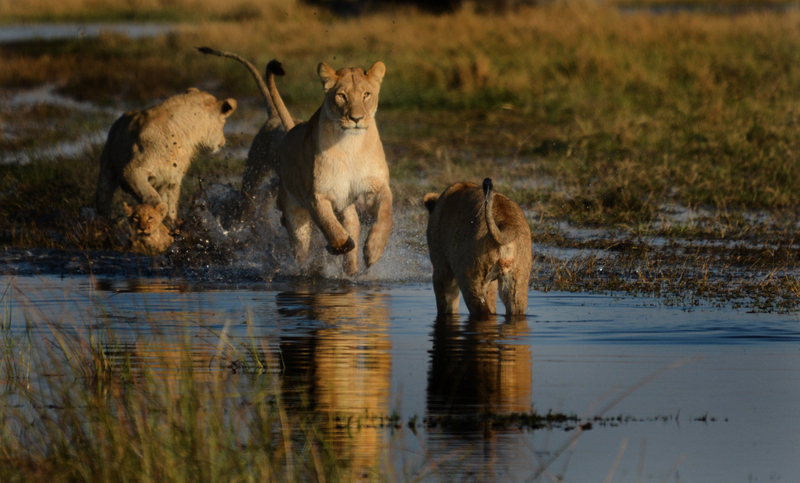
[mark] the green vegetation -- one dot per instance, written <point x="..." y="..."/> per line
<point x="682" y="126"/>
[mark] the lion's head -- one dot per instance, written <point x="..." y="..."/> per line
<point x="145" y="219"/>
<point x="208" y="117"/>
<point x="351" y="95"/>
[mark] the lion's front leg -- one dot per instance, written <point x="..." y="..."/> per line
<point x="170" y="194"/>
<point x="339" y="241"/>
<point x="142" y="189"/>
<point x="352" y="224"/>
<point x="379" y="233"/>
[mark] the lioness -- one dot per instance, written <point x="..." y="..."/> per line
<point x="147" y="232"/>
<point x="148" y="152"/>
<point x="332" y="160"/>
<point x="327" y="163"/>
<point x="473" y="256"/>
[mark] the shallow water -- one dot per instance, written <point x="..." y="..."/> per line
<point x="704" y="394"/>
<point x="65" y="31"/>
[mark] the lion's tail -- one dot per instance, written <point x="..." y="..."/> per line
<point x="268" y="90"/>
<point x="502" y="237"/>
<point x="275" y="68"/>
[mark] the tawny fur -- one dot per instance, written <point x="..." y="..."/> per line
<point x="148" y="152"/>
<point x="478" y="244"/>
<point x="328" y="163"/>
<point x="147" y="231"/>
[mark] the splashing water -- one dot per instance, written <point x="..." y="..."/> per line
<point x="258" y="247"/>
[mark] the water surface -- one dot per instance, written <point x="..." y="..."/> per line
<point x="695" y="394"/>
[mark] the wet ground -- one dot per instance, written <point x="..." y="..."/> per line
<point x="669" y="393"/>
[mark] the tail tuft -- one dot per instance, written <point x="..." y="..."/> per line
<point x="275" y="68"/>
<point x="487" y="185"/>
<point x="206" y="50"/>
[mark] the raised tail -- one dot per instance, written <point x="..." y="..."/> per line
<point x="275" y="68"/>
<point x="502" y="238"/>
<point x="268" y="90"/>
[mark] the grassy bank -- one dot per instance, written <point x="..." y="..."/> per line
<point x="624" y="112"/>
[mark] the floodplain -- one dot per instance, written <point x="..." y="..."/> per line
<point x="655" y="155"/>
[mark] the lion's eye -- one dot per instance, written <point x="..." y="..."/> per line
<point x="341" y="96"/>
<point x="366" y="95"/>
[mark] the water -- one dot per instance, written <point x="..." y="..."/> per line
<point x="68" y="31"/>
<point x="703" y="395"/>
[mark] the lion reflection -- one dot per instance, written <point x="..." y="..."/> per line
<point x="474" y="372"/>
<point x="340" y="368"/>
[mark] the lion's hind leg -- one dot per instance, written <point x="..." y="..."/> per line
<point x="513" y="286"/>
<point x="379" y="233"/>
<point x="446" y="290"/>
<point x="480" y="293"/>
<point x="298" y="224"/>
<point x="106" y="185"/>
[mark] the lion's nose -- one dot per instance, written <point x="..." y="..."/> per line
<point x="356" y="119"/>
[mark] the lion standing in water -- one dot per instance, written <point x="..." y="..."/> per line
<point x="478" y="256"/>
<point x="148" y="152"/>
<point x="328" y="163"/>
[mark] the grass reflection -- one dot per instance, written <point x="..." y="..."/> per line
<point x="84" y="401"/>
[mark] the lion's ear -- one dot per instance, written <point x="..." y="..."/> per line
<point x="430" y="200"/>
<point x="192" y="89"/>
<point x="327" y="76"/>
<point x="128" y="209"/>
<point x="376" y="71"/>
<point x="227" y="107"/>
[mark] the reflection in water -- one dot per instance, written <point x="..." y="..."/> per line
<point x="476" y="371"/>
<point x="339" y="366"/>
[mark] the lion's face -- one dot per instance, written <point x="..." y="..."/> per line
<point x="351" y="96"/>
<point x="145" y="219"/>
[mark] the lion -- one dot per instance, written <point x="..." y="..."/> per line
<point x="147" y="231"/>
<point x="328" y="163"/>
<point x="478" y="258"/>
<point x="148" y="152"/>
<point x="262" y="157"/>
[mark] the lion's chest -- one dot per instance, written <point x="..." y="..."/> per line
<point x="342" y="177"/>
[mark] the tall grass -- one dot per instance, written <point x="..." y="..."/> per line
<point x="87" y="406"/>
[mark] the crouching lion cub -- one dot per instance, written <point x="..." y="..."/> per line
<point x="148" y="152"/>
<point x="478" y="256"/>
<point x="147" y="231"/>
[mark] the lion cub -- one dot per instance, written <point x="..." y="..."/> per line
<point x="479" y="242"/>
<point x="147" y="232"/>
<point x="148" y="152"/>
